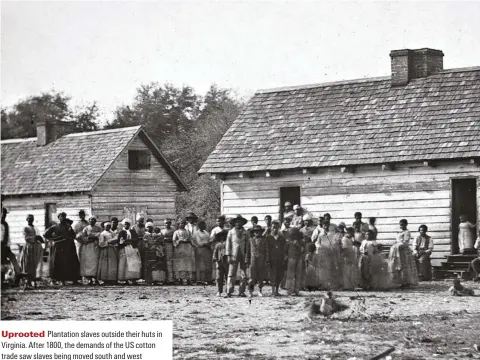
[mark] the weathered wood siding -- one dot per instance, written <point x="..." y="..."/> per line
<point x="412" y="191"/>
<point x="152" y="190"/>
<point x="19" y="207"/>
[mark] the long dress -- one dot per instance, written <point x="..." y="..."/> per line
<point x="169" y="252"/>
<point x="129" y="260"/>
<point x="349" y="261"/>
<point x="203" y="256"/>
<point x="78" y="228"/>
<point x="327" y="262"/>
<point x="184" y="258"/>
<point x="465" y="236"/>
<point x="423" y="248"/>
<point x="108" y="258"/>
<point x="159" y="272"/>
<point x="89" y="251"/>
<point x="63" y="261"/>
<point x="31" y="259"/>
<point x="401" y="261"/>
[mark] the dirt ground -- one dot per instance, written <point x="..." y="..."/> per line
<point x="421" y="323"/>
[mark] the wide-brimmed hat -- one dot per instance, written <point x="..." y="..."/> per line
<point x="239" y="218"/>
<point x="257" y="228"/>
<point x="191" y="215"/>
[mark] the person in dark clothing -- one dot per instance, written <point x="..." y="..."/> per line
<point x="64" y="263"/>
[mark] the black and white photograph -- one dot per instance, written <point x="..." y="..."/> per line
<point x="280" y="179"/>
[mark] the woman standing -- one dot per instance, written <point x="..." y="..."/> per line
<point x="184" y="258"/>
<point x="423" y="248"/>
<point x="203" y="254"/>
<point x="401" y="262"/>
<point x="326" y="260"/>
<point x="168" y="247"/>
<point x="108" y="258"/>
<point x="89" y="250"/>
<point x="64" y="264"/>
<point x="129" y="260"/>
<point x="31" y="260"/>
<point x="295" y="254"/>
<point x="465" y="235"/>
<point x="349" y="261"/>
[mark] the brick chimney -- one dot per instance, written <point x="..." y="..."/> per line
<point x="49" y="131"/>
<point x="414" y="64"/>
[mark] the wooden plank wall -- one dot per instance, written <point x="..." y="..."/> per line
<point x="19" y="207"/>
<point x="120" y="188"/>
<point x="418" y="193"/>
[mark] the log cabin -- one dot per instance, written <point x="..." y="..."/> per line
<point x="118" y="172"/>
<point x="402" y="146"/>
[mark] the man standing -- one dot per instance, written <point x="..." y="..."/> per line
<point x="236" y="250"/>
<point x="359" y="222"/>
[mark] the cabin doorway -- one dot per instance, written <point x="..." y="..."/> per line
<point x="464" y="201"/>
<point x="291" y="194"/>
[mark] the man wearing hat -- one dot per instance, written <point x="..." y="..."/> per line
<point x="167" y="233"/>
<point x="236" y="248"/>
<point x="64" y="264"/>
<point x="297" y="219"/>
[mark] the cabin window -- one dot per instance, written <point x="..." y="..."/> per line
<point x="138" y="159"/>
<point x="50" y="214"/>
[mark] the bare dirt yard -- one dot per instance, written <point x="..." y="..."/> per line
<point x="421" y="323"/>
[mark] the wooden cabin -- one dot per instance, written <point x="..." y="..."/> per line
<point x="401" y="146"/>
<point x="118" y="172"/>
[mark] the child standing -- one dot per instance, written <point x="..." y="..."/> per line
<point x="221" y="264"/>
<point x="276" y="255"/>
<point x="159" y="274"/>
<point x="367" y="249"/>
<point x="257" y="257"/>
<point x="294" y="251"/>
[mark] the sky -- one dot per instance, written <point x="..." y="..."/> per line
<point x="103" y="51"/>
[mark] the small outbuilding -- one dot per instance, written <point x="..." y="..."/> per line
<point x="401" y="146"/>
<point x="118" y="172"/>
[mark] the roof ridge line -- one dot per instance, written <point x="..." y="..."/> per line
<point x="96" y="132"/>
<point x="355" y="81"/>
<point x="13" y="141"/>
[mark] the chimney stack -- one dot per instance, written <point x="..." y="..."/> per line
<point x="414" y="64"/>
<point x="49" y="131"/>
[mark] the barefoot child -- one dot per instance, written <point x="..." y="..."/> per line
<point x="257" y="257"/>
<point x="276" y="254"/>
<point x="221" y="264"/>
<point x="295" y="261"/>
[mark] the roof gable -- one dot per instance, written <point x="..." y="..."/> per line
<point x="73" y="163"/>
<point x="354" y="122"/>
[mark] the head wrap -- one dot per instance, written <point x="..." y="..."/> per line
<point x="295" y="207"/>
<point x="307" y="217"/>
<point x="107" y="223"/>
<point x="149" y="224"/>
<point x="288" y="203"/>
<point x="140" y="216"/>
<point x="126" y="221"/>
<point x="92" y="217"/>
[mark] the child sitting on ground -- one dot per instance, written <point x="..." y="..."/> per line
<point x="459" y="290"/>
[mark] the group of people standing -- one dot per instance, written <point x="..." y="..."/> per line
<point x="294" y="254"/>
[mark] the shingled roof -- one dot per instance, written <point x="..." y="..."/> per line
<point x="72" y="163"/>
<point x="354" y="122"/>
